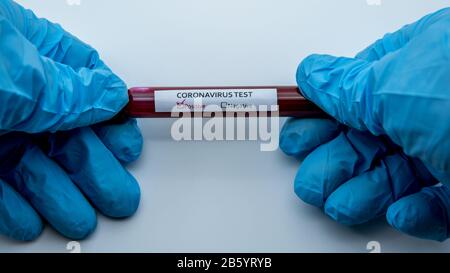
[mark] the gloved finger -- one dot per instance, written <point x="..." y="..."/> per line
<point x="339" y="86"/>
<point x="123" y="139"/>
<point x="300" y="136"/>
<point x="18" y="220"/>
<point x="425" y="214"/>
<point x="330" y="165"/>
<point x="394" y="41"/>
<point x="95" y="170"/>
<point x="50" y="39"/>
<point x="46" y="186"/>
<point x="369" y="195"/>
<point x="60" y="98"/>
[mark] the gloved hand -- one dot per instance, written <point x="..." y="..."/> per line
<point x="53" y="166"/>
<point x="391" y="145"/>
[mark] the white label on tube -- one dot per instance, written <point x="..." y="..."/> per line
<point x="235" y="100"/>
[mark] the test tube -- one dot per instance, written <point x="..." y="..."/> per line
<point x="159" y="102"/>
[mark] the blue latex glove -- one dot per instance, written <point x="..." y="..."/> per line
<point x="391" y="146"/>
<point x="52" y="83"/>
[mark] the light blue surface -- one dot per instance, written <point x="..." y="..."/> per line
<point x="200" y="196"/>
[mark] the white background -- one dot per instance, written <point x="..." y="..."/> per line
<point x="199" y="196"/>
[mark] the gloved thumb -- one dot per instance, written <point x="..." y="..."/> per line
<point x="340" y="86"/>
<point x="38" y="94"/>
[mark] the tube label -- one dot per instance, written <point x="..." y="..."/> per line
<point x="234" y="100"/>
